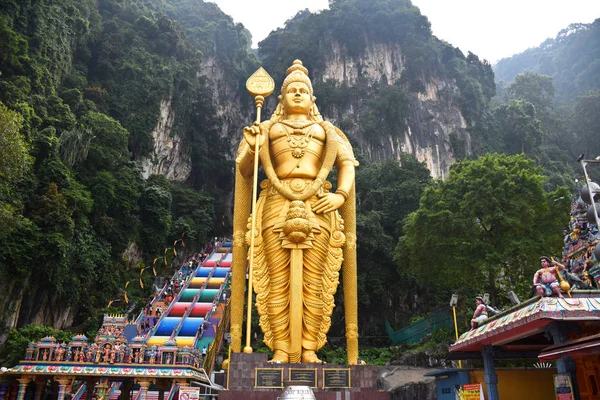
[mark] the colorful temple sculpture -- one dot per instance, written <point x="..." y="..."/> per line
<point x="170" y="346"/>
<point x="583" y="269"/>
<point x="560" y="324"/>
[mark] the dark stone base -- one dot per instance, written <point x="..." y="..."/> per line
<point x="267" y="395"/>
<point x="242" y="367"/>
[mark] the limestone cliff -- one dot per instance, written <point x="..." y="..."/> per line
<point x="433" y="114"/>
<point x="377" y="60"/>
<point x="169" y="156"/>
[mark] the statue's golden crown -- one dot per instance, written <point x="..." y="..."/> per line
<point x="297" y="73"/>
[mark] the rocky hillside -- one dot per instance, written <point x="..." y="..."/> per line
<point x="121" y="118"/>
<point x="572" y="59"/>
<point x="385" y="80"/>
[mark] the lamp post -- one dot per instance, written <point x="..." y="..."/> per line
<point x="453" y="303"/>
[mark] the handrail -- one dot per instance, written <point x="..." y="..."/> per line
<point x="215" y="346"/>
<point x="176" y="330"/>
<point x="113" y="388"/>
<point x="189" y="279"/>
<point x="218" y="299"/>
<point x="80" y="391"/>
<point x="186" y="314"/>
<point x="174" y="389"/>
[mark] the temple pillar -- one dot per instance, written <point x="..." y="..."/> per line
<point x="3" y="390"/>
<point x="144" y="385"/>
<point x="62" y="387"/>
<point x="491" y="379"/>
<point x="23" y="382"/>
<point x="559" y="332"/>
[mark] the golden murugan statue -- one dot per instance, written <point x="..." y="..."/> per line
<point x="301" y="239"/>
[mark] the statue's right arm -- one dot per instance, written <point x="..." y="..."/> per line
<point x="245" y="159"/>
<point x="536" y="277"/>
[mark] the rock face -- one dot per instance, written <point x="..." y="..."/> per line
<point x="169" y="156"/>
<point x="433" y="115"/>
<point x="227" y="97"/>
<point x="377" y="60"/>
<point x="38" y="307"/>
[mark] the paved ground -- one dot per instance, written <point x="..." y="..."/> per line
<point x="400" y="375"/>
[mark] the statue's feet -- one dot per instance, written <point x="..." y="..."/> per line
<point x="310" y="357"/>
<point x="279" y="357"/>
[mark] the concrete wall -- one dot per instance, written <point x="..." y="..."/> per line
<point x="520" y="384"/>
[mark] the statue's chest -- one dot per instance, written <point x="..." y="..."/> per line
<point x="296" y="141"/>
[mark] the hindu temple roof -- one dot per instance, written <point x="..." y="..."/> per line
<point x="529" y="318"/>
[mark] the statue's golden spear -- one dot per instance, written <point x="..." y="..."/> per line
<point x="260" y="85"/>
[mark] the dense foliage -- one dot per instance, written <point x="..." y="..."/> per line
<point x="355" y="26"/>
<point x="386" y="194"/>
<point x="81" y="87"/>
<point x="572" y="59"/>
<point x="483" y="229"/>
<point x="18" y="340"/>
<point x="82" y="84"/>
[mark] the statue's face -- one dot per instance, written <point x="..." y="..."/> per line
<point x="297" y="98"/>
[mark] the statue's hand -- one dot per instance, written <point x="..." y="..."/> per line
<point x="328" y="202"/>
<point x="253" y="132"/>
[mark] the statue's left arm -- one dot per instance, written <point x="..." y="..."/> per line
<point x="332" y="201"/>
<point x="345" y="163"/>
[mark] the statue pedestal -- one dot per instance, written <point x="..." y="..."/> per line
<point x="251" y="377"/>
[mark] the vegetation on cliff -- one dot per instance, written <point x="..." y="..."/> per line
<point x="81" y="85"/>
<point x="81" y="88"/>
<point x="571" y="59"/>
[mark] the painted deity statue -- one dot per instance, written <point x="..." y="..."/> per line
<point x="545" y="279"/>
<point x="304" y="229"/>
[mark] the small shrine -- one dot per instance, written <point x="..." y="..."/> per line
<point x="168" y="352"/>
<point x="137" y="350"/>
<point x="77" y="349"/>
<point x="46" y="349"/>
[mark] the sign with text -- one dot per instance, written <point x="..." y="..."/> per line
<point x="304" y="374"/>
<point x="189" y="393"/>
<point x="336" y="377"/>
<point x="469" y="391"/>
<point x="268" y="378"/>
<point x="563" y="387"/>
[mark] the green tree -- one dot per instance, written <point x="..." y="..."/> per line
<point x="536" y="89"/>
<point x="155" y="215"/>
<point x="483" y="229"/>
<point x="14" y="163"/>
<point x="521" y="130"/>
<point x="13" y="146"/>
<point x="586" y="123"/>
<point x="19" y="339"/>
<point x="386" y="193"/>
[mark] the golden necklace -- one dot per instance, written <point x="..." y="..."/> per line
<point x="298" y="140"/>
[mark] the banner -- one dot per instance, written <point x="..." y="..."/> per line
<point x="469" y="391"/>
<point x="563" y="387"/>
<point x="189" y="393"/>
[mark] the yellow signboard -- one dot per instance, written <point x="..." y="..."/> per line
<point x="470" y="391"/>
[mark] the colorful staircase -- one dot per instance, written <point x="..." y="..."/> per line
<point x="198" y="299"/>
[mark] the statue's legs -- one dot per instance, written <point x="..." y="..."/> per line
<point x="315" y="262"/>
<point x="320" y="265"/>
<point x="278" y="270"/>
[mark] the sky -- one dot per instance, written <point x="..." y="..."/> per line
<point x="492" y="29"/>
